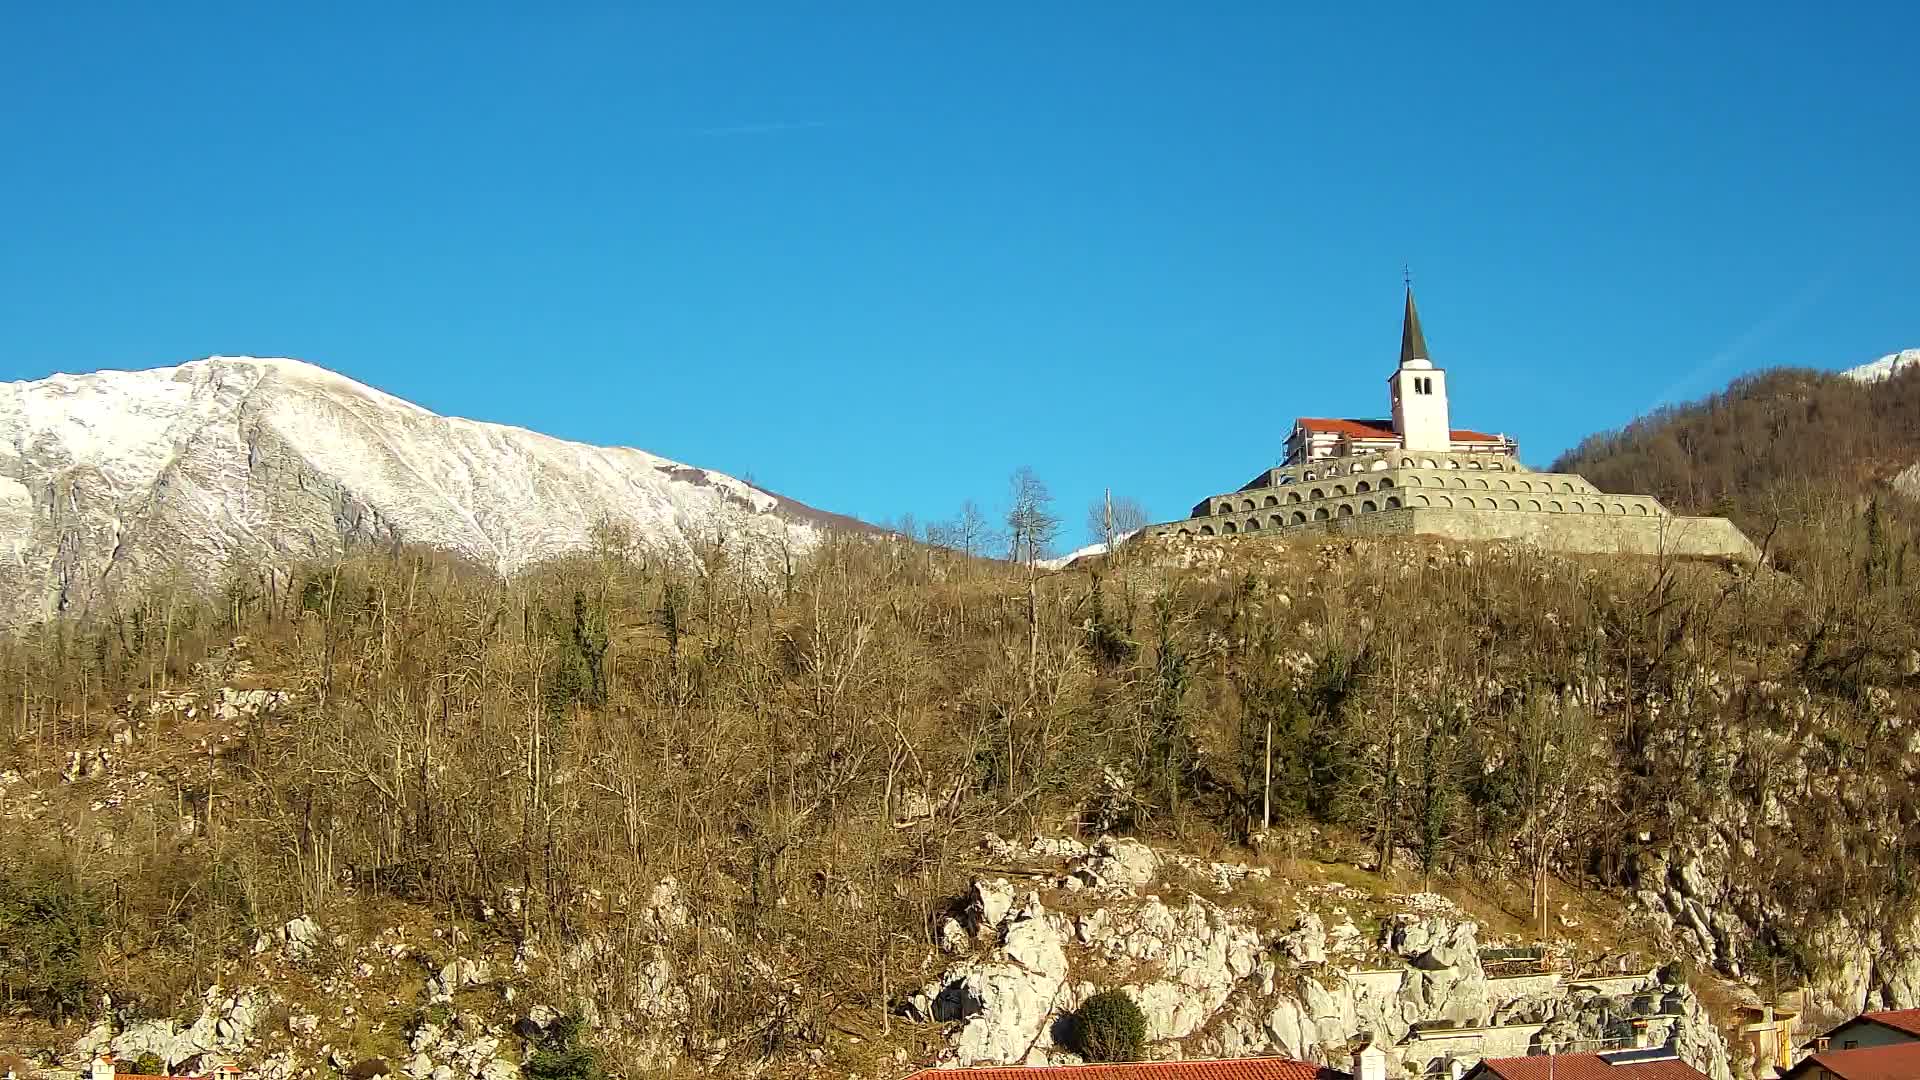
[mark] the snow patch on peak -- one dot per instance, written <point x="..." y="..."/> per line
<point x="1885" y="367"/>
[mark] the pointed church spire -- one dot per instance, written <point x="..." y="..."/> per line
<point x="1413" y="343"/>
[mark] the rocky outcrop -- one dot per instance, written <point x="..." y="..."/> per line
<point x="227" y="1024"/>
<point x="1211" y="981"/>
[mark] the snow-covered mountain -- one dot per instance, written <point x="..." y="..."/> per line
<point x="1885" y="367"/>
<point x="110" y="480"/>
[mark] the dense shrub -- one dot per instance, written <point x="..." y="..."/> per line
<point x="562" y="1056"/>
<point x="1110" y="1027"/>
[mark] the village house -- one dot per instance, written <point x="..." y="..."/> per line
<point x="1884" y="1028"/>
<point x="104" y="1068"/>
<point x="1887" y="1061"/>
<point x="1222" y="1069"/>
<point x="1370" y="1063"/>
<point x="1657" y="1063"/>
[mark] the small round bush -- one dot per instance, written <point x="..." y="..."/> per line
<point x="1111" y="1028"/>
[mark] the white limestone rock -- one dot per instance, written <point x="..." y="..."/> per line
<point x="1116" y="864"/>
<point x="990" y="904"/>
<point x="1306" y="943"/>
<point x="299" y="937"/>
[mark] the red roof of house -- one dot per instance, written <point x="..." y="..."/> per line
<point x="1898" y="1061"/>
<point x="1907" y="1020"/>
<point x="1588" y="1067"/>
<point x="1378" y="429"/>
<point x="1231" y="1069"/>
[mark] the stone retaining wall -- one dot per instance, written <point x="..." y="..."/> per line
<point x="1584" y="534"/>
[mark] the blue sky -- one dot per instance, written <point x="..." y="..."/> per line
<point x="876" y="259"/>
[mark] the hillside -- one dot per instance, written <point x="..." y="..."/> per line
<point x="1766" y="443"/>
<point x="891" y="806"/>
<point x="114" y="481"/>
<point x="736" y="824"/>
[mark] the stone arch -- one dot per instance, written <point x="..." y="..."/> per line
<point x="1533" y="505"/>
<point x="1317" y="494"/>
<point x="1576" y="508"/>
<point x="1271" y="500"/>
<point x="1225" y="508"/>
<point x="1566" y="486"/>
<point x="1466" y="503"/>
<point x="1362" y="488"/>
<point x="1620" y="508"/>
<point x="1428" y="463"/>
<point x="1482" y="484"/>
<point x="1186" y="534"/>
<point x="1413" y="480"/>
<point x="1596" y="508"/>
<point x="1422" y="500"/>
<point x="1510" y="505"/>
<point x="1386" y="482"/>
<point x="1307" y="476"/>
<point x="1293" y="496"/>
<point x="1253" y="524"/>
<point x="1459" y="482"/>
<point x="1555" y="506"/>
<point x="1206" y="530"/>
<point x="1339" y="489"/>
<point x="1503" y="485"/>
<point x="1320" y="514"/>
<point x="1229" y="528"/>
<point x="1393" y="502"/>
<point x="1379" y="463"/>
<point x="1276" y="521"/>
<point x="1367" y="506"/>
<point x="1406" y="463"/>
<point x="1346" y="510"/>
<point x="1246" y="504"/>
<point x="1640" y="509"/>
<point x="1474" y="464"/>
<point x="1496" y="466"/>
<point x="1452" y="464"/>
<point x="1299" y="517"/>
<point x="1443" y="500"/>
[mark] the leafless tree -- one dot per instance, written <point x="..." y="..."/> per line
<point x="1113" y="517"/>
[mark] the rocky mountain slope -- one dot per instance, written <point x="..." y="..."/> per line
<point x="113" y="480"/>
<point x="1886" y="367"/>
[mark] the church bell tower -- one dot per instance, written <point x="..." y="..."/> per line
<point x="1419" y="390"/>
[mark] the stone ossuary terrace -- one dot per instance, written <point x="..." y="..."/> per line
<point x="1415" y="474"/>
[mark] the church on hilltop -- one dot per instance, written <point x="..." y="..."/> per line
<point x="1415" y="473"/>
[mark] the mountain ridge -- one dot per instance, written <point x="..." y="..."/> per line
<point x="108" y="478"/>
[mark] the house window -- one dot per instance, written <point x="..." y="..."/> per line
<point x="1850" y="1044"/>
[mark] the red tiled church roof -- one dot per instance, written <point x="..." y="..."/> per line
<point x="1586" y="1067"/>
<point x="1899" y="1061"/>
<point x="1378" y="429"/>
<point x="1233" y="1069"/>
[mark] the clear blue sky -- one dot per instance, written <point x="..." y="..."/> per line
<point x="877" y="259"/>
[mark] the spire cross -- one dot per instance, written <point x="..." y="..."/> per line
<point x="1406" y="274"/>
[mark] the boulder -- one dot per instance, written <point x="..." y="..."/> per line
<point x="1116" y="864"/>
<point x="989" y="904"/>
<point x="300" y="937"/>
